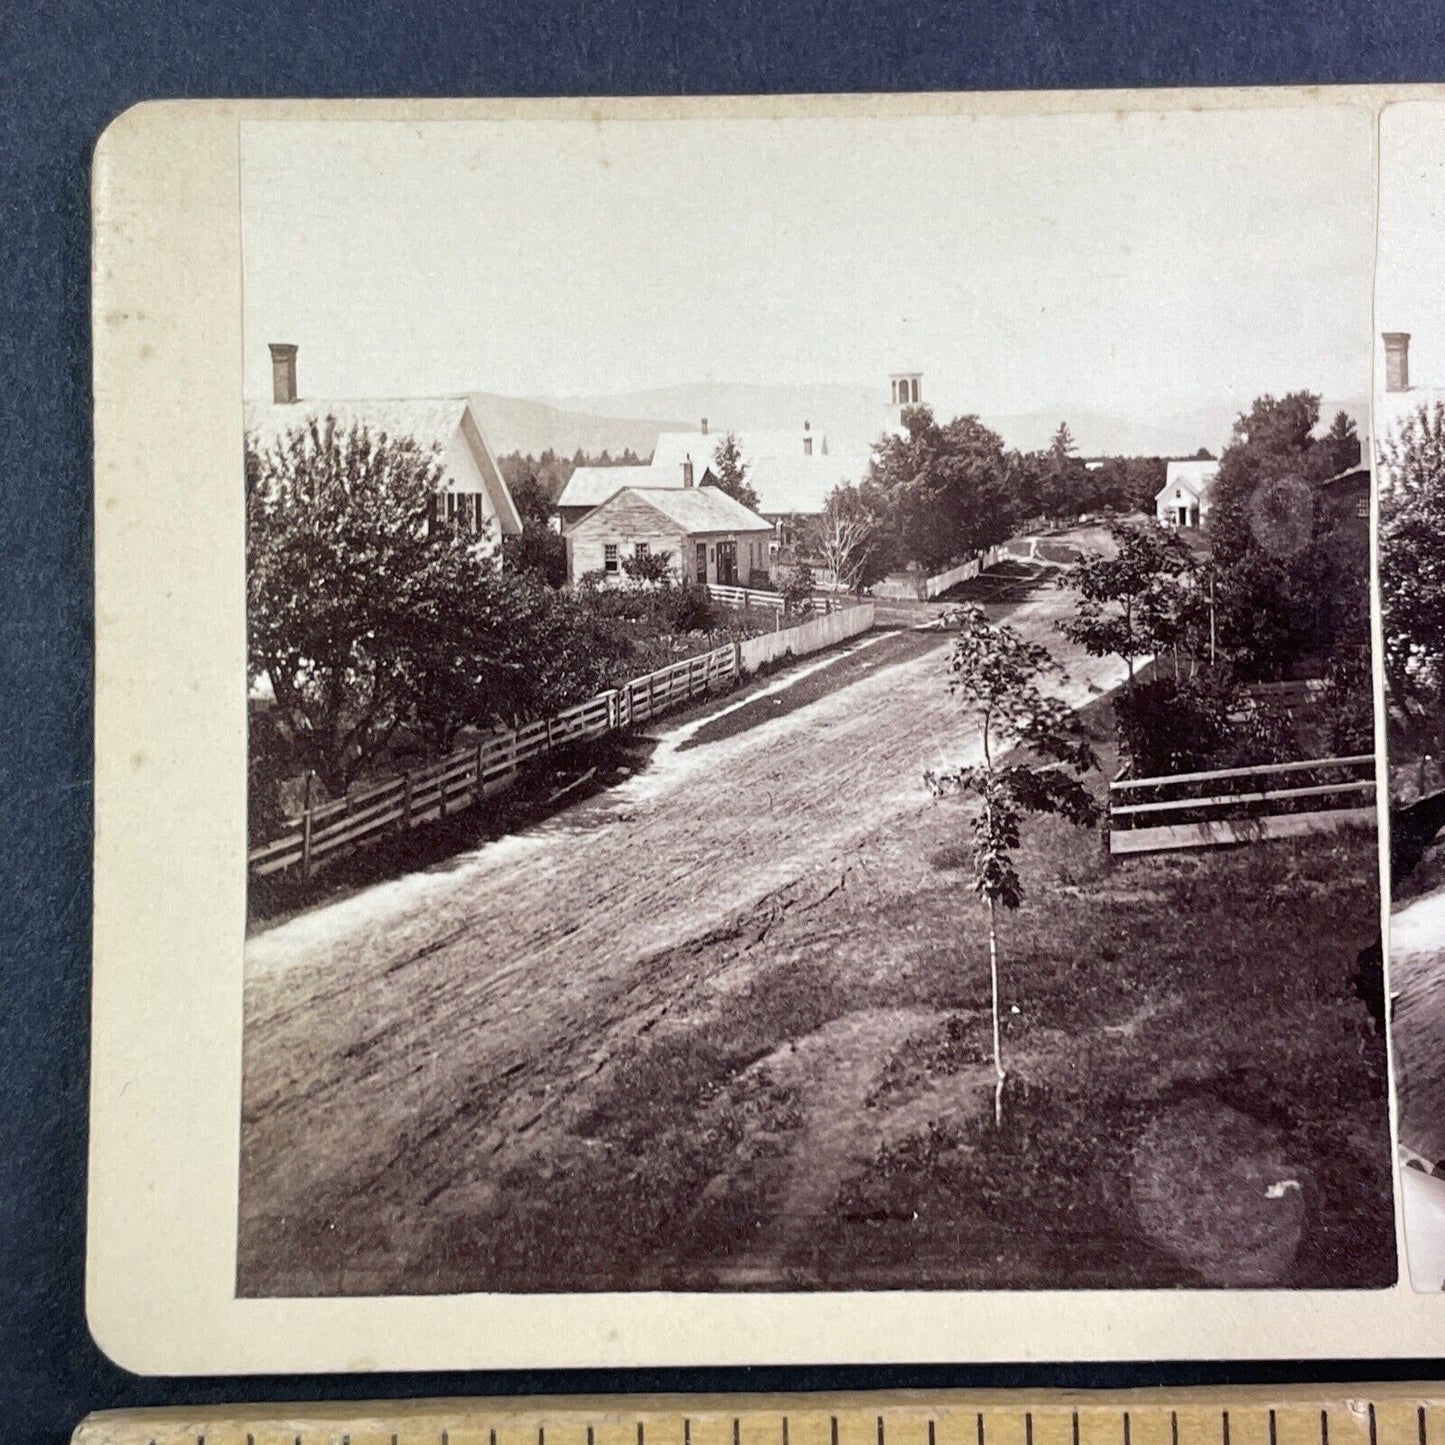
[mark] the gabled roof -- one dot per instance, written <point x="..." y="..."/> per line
<point x="801" y="484"/>
<point x="693" y="509"/>
<point x="1351" y="476"/>
<point x="432" y="421"/>
<point x="1193" y="475"/>
<point x="675" y="447"/>
<point x="591" y="486"/>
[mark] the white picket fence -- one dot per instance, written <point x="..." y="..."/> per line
<point x="1239" y="805"/>
<point x="426" y="794"/>
<point x="813" y="636"/>
<point x="906" y="588"/>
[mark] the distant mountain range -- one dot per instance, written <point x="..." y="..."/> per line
<point x="851" y="417"/>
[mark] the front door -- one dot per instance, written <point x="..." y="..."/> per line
<point x="702" y="562"/>
<point x="727" y="563"/>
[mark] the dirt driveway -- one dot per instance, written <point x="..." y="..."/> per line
<point x="415" y="1051"/>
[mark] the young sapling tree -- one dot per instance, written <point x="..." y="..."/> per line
<point x="1034" y="756"/>
<point x="1138" y="601"/>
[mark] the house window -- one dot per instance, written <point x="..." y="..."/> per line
<point x="1362" y="507"/>
<point x="609" y="557"/>
<point x="807" y="446"/>
<point x="640" y="550"/>
<point x="915" y="388"/>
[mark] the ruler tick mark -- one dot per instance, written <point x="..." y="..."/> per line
<point x="833" y="1429"/>
<point x="1076" y="1427"/>
<point x="1371" y="1411"/>
<point x="1324" y="1427"/>
<point x="1174" y="1427"/>
<point x="1029" y="1427"/>
<point x="1224" y="1420"/>
<point x="1273" y="1439"/>
<point x="1126" y="1427"/>
<point x="1420" y="1424"/>
<point x="785" y="1430"/>
<point x="880" y="1430"/>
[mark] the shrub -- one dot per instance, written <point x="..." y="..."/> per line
<point x="689" y="609"/>
<point x="798" y="591"/>
<point x="539" y="551"/>
<point x="1172" y="726"/>
<point x="648" y="567"/>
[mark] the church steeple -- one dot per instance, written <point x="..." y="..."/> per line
<point x="905" y="389"/>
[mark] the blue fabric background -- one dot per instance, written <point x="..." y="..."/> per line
<point x="68" y="68"/>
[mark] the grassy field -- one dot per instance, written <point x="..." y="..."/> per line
<point x="1195" y="1095"/>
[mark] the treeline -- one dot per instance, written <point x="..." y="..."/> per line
<point x="379" y="632"/>
<point x="942" y="491"/>
<point x="549" y="473"/>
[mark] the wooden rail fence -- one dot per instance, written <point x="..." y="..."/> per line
<point x="426" y="794"/>
<point x="744" y="596"/>
<point x="1240" y="805"/>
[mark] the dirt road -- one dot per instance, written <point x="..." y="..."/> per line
<point x="413" y="1051"/>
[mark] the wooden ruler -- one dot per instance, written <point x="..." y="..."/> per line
<point x="1270" y="1415"/>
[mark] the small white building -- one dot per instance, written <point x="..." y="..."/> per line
<point x="474" y="496"/>
<point x="707" y="535"/>
<point x="1183" y="500"/>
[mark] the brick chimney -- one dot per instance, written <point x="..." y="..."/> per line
<point x="704" y="426"/>
<point x="1397" y="360"/>
<point x="283" y="372"/>
<point x="687" y="472"/>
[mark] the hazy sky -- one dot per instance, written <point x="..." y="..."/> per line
<point x="1143" y="263"/>
<point x="1411" y="278"/>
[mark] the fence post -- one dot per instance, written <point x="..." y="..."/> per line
<point x="477" y="795"/>
<point x="406" y="802"/>
<point x="306" y="825"/>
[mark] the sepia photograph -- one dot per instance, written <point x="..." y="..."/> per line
<point x="1410" y="420"/>
<point x="810" y="702"/>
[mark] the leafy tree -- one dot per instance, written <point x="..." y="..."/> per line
<point x="1412" y="579"/>
<point x="370" y="617"/>
<point x="1135" y="602"/>
<point x="1341" y="445"/>
<point x="539" y="550"/>
<point x="1063" y="477"/>
<point x="341" y="567"/>
<point x="533" y="503"/>
<point x="995" y="674"/>
<point x="946" y="487"/>
<point x="1170" y="725"/>
<point x="1279" y="568"/>
<point x="732" y="473"/>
